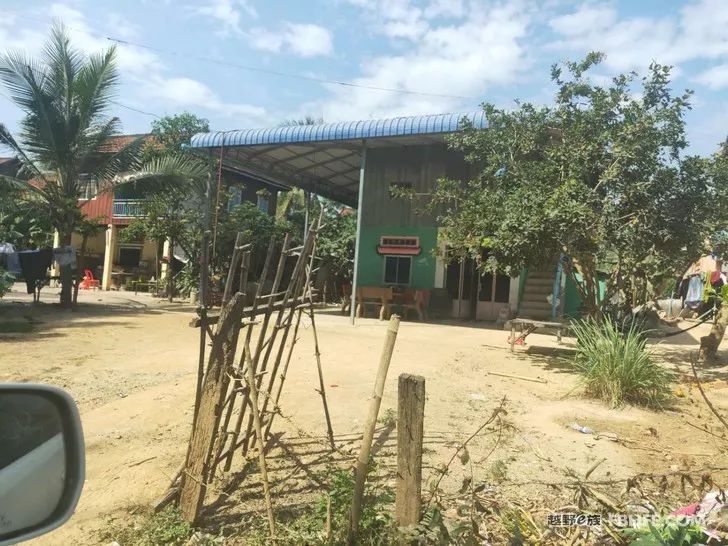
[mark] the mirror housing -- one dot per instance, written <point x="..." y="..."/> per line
<point x="42" y="460"/>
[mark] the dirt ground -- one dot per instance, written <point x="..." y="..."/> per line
<point x="130" y="363"/>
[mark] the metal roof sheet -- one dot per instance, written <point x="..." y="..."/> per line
<point x="350" y="130"/>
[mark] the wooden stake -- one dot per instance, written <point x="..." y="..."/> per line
<point x="371" y="422"/>
<point x="410" y="425"/>
<point x="261" y="443"/>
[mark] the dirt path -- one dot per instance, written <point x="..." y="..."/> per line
<point x="130" y="363"/>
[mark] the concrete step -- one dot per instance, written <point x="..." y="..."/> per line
<point x="539" y="282"/>
<point x="537" y="299"/>
<point x="535" y="305"/>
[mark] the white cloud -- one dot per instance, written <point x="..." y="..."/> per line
<point x="715" y="77"/>
<point x="696" y="32"/>
<point x="487" y="48"/>
<point x="591" y="17"/>
<point x="228" y="13"/>
<point x="445" y="8"/>
<point x="303" y="40"/>
<point x="188" y="93"/>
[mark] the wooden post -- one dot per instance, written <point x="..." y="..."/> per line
<point x="371" y="422"/>
<point x="410" y="421"/>
<point x="214" y="388"/>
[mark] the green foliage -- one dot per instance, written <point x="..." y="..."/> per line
<point x="24" y="221"/>
<point x="308" y="525"/>
<point x="616" y="366"/>
<point x="335" y="243"/>
<point x="6" y="281"/>
<point x="164" y="528"/>
<point x="601" y="176"/>
<point x="170" y="132"/>
<point x="667" y="531"/>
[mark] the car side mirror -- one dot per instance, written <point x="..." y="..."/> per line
<point x="42" y="460"/>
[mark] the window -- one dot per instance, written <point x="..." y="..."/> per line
<point x="399" y="241"/>
<point x="130" y="256"/>
<point x="236" y="197"/>
<point x="397" y="269"/>
<point x="88" y="186"/>
<point x="263" y="203"/>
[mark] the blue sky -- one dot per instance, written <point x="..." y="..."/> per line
<point x="190" y="55"/>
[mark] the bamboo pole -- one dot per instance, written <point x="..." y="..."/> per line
<point x="371" y="422"/>
<point x="263" y="277"/>
<point x="322" y="388"/>
<point x="261" y="450"/>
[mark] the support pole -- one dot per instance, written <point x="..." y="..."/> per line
<point x="366" y="443"/>
<point x="357" y="242"/>
<point x="307" y="206"/>
<point x="410" y="427"/>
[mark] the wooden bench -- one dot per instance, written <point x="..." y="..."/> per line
<point x="374" y="296"/>
<point x="528" y="326"/>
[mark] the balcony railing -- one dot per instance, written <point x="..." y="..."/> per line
<point x="128" y="208"/>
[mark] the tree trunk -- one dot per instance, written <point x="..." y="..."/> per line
<point x="170" y="273"/>
<point x="709" y="344"/>
<point x="80" y="262"/>
<point x="66" y="272"/>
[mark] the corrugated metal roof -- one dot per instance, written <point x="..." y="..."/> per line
<point x="349" y="130"/>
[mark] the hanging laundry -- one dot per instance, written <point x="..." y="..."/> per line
<point x="9" y="258"/>
<point x="65" y="255"/>
<point x="694" y="297"/>
<point x="34" y="265"/>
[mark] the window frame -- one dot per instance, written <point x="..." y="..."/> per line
<point x="384" y="270"/>
<point x="86" y="179"/>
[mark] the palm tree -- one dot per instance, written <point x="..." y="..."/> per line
<point x="65" y="96"/>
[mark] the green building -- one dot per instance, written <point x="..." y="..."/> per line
<point x="360" y="164"/>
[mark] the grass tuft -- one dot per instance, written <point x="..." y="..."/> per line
<point x="617" y="367"/>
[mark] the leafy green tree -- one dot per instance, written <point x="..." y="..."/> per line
<point x="65" y="96"/>
<point x="23" y="219"/>
<point x="600" y="176"/>
<point x="171" y="132"/>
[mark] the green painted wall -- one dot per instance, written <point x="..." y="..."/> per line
<point x="371" y="264"/>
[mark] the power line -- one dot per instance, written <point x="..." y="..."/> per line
<point x="285" y="74"/>
<point x="135" y="109"/>
<point x="222" y="62"/>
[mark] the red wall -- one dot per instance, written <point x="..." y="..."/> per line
<point x="101" y="207"/>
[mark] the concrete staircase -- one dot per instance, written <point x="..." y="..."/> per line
<point x="534" y="305"/>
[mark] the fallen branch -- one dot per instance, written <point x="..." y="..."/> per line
<point x="705" y="397"/>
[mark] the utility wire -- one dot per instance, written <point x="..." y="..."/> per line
<point x="223" y="62"/>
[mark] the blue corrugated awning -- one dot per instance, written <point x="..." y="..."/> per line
<point x="345" y="130"/>
<point x="325" y="158"/>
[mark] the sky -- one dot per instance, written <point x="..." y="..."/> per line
<point x="255" y="63"/>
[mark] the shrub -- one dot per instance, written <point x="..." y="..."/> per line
<point x="165" y="527"/>
<point x="6" y="281"/>
<point x="616" y="366"/>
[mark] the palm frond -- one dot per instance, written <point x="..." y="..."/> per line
<point x="94" y="84"/>
<point x="63" y="63"/>
<point x="28" y="166"/>
<point x="18" y="184"/>
<point x="175" y="171"/>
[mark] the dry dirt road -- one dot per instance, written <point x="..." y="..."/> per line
<point x="130" y="363"/>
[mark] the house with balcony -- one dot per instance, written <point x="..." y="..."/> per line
<point x="114" y="259"/>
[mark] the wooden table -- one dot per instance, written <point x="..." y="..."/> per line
<point x="528" y="326"/>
